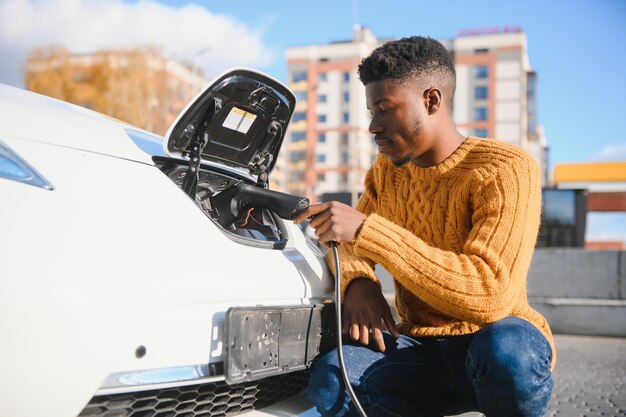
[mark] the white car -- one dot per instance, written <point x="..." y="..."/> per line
<point x="142" y="276"/>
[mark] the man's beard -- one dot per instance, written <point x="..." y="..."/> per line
<point x="404" y="160"/>
<point x="415" y="131"/>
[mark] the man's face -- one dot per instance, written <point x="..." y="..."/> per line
<point x="398" y="119"/>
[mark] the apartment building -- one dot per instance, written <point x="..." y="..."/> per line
<point x="496" y="95"/>
<point x="328" y="146"/>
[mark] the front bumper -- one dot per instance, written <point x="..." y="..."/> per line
<point x="271" y="396"/>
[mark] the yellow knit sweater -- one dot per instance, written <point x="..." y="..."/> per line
<point x="457" y="237"/>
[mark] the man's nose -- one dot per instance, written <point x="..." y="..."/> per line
<point x="375" y="125"/>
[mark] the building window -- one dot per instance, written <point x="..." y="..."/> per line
<point x="323" y="76"/>
<point x="301" y="95"/>
<point x="321" y="177"/>
<point x="299" y="76"/>
<point x="322" y="98"/>
<point x="481" y="133"/>
<point x="346" y="76"/>
<point x="321" y="138"/>
<point x="346" y="117"/>
<point x="480" y="93"/>
<point x="296" y="156"/>
<point x="297" y="116"/>
<point x="346" y="97"/>
<point x="320" y="157"/>
<point x="345" y="157"/>
<point x="481" y="71"/>
<point x="321" y="118"/>
<point x="298" y="136"/>
<point x="343" y="178"/>
<point x="481" y="50"/>
<point x="480" y="113"/>
<point x="345" y="138"/>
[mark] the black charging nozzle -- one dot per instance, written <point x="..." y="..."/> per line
<point x="233" y="203"/>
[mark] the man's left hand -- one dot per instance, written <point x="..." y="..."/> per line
<point x="333" y="221"/>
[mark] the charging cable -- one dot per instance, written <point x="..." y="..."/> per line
<point x="342" y="365"/>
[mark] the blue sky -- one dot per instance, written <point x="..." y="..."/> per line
<point x="577" y="48"/>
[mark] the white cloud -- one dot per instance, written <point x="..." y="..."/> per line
<point x="611" y="152"/>
<point x="191" y="33"/>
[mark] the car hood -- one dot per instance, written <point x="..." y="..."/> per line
<point x="239" y="121"/>
<point x="37" y="118"/>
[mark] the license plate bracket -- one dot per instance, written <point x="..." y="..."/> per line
<point x="266" y="341"/>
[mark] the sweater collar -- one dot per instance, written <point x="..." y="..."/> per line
<point x="447" y="164"/>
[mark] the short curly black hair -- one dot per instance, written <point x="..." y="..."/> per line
<point x="416" y="56"/>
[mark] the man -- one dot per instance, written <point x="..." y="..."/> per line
<point x="454" y="219"/>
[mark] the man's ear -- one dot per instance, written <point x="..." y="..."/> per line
<point x="433" y="100"/>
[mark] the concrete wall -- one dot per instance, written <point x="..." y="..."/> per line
<point x="580" y="291"/>
<point x="577" y="273"/>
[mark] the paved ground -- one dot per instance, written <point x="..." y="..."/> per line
<point x="589" y="378"/>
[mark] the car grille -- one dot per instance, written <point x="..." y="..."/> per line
<point x="203" y="400"/>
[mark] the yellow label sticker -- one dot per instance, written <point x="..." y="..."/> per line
<point x="239" y="120"/>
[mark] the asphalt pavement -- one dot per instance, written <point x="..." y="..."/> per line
<point x="589" y="378"/>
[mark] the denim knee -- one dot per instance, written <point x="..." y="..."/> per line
<point x="326" y="388"/>
<point x="509" y="364"/>
<point x="512" y="346"/>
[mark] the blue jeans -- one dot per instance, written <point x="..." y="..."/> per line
<point x="503" y="370"/>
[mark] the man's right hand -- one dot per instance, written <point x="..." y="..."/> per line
<point x="365" y="310"/>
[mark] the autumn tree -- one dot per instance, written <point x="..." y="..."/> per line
<point x="132" y="85"/>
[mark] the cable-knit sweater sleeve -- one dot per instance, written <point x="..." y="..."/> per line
<point x="353" y="266"/>
<point x="485" y="281"/>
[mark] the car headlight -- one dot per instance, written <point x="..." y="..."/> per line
<point x="14" y="167"/>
